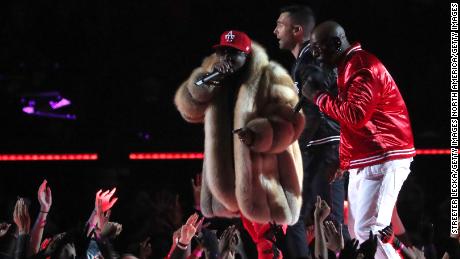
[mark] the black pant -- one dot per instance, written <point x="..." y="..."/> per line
<point x="319" y="163"/>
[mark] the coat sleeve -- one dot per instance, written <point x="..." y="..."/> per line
<point x="178" y="253"/>
<point x="191" y="100"/>
<point x="21" y="246"/>
<point x="355" y="106"/>
<point x="277" y="126"/>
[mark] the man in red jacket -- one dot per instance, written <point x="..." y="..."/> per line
<point x="376" y="144"/>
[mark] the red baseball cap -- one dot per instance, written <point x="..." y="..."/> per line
<point x="235" y="39"/>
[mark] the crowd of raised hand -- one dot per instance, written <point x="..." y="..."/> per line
<point x="96" y="238"/>
<point x="196" y="238"/>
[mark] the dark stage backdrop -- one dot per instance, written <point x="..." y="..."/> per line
<point x="120" y="62"/>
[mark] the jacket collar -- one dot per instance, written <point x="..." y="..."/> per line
<point x="304" y="49"/>
<point x="354" y="47"/>
<point x="348" y="53"/>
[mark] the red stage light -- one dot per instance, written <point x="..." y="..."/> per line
<point x="48" y="157"/>
<point x="165" y="156"/>
<point x="147" y="156"/>
<point x="196" y="155"/>
<point x="432" y="151"/>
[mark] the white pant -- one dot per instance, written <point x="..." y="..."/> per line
<point x="372" y="194"/>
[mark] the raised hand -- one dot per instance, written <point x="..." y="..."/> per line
<point x="189" y="229"/>
<point x="224" y="240"/>
<point x="369" y="247"/>
<point x="334" y="237"/>
<point x="322" y="210"/>
<point x="386" y="234"/>
<point x="21" y="216"/>
<point x="4" y="227"/>
<point x="228" y="242"/>
<point x="101" y="216"/>
<point x="44" y="197"/>
<point x="106" y="199"/>
<point x="350" y="250"/>
<point x="200" y="226"/>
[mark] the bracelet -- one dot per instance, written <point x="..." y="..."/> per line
<point x="400" y="249"/>
<point x="181" y="245"/>
<point x="44" y="211"/>
<point x="396" y="243"/>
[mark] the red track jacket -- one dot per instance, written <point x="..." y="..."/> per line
<point x="373" y="117"/>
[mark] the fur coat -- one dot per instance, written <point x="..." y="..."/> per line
<point x="263" y="182"/>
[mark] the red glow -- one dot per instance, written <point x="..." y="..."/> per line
<point x="345" y="212"/>
<point x="196" y="155"/>
<point x="146" y="156"/>
<point x="48" y="157"/>
<point x="165" y="156"/>
<point x="432" y="151"/>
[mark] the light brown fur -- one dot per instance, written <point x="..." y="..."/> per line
<point x="263" y="182"/>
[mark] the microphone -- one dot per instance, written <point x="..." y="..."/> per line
<point x="208" y="78"/>
<point x="302" y="102"/>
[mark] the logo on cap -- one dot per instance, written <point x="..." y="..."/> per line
<point x="229" y="36"/>
<point x="235" y="39"/>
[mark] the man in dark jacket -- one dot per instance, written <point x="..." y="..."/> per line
<point x="320" y="138"/>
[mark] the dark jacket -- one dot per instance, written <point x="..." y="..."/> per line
<point x="319" y="128"/>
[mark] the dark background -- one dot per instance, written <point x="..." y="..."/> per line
<point x="120" y="62"/>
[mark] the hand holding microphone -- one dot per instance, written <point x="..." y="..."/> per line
<point x="225" y="67"/>
<point x="313" y="80"/>
<point x="220" y="70"/>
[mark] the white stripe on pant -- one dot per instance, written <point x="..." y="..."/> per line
<point x="372" y="194"/>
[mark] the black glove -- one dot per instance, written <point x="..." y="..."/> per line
<point x="369" y="247"/>
<point x="386" y="234"/>
<point x="313" y="80"/>
<point x="350" y="250"/>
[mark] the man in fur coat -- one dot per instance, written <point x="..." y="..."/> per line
<point x="252" y="162"/>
